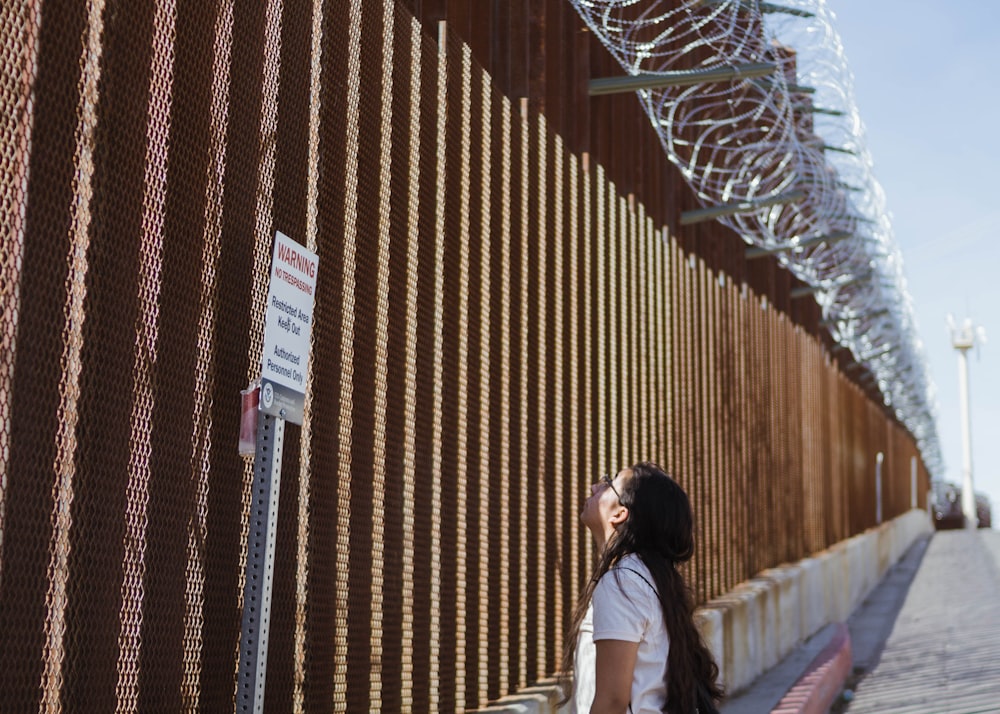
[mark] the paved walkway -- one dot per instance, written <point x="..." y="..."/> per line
<point x="943" y="653"/>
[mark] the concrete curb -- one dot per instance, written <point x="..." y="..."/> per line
<point x="542" y="698"/>
<point x="758" y="623"/>
<point x="816" y="690"/>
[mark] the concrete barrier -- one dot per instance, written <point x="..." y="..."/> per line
<point x="805" y="597"/>
<point x="824" y="588"/>
<point x="759" y="622"/>
<point x="542" y="698"/>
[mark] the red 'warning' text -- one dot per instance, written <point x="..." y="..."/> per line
<point x="295" y="259"/>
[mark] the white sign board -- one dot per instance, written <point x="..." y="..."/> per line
<point x="284" y="364"/>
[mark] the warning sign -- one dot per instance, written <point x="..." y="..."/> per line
<point x="287" y="326"/>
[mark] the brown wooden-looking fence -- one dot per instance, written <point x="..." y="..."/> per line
<point x="497" y="323"/>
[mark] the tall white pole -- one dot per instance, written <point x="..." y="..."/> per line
<point x="963" y="339"/>
<point x="968" y="495"/>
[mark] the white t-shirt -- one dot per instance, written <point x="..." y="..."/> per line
<point x="625" y="607"/>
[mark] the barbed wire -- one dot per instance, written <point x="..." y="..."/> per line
<point x="795" y="137"/>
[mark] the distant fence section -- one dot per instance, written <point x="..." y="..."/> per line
<point x="496" y="324"/>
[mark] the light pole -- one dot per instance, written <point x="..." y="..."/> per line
<point x="963" y="339"/>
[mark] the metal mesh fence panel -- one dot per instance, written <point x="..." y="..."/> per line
<point x="496" y="324"/>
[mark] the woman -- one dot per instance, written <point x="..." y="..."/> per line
<point x="634" y="646"/>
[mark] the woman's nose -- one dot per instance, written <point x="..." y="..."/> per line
<point x="594" y="487"/>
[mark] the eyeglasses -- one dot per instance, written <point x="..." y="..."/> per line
<point x="606" y="478"/>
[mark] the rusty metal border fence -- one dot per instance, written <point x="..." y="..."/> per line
<point x="496" y="324"/>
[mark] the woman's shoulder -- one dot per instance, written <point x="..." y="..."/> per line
<point x="632" y="571"/>
<point x="626" y="587"/>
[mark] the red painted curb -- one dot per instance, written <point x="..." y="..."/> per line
<point x="823" y="679"/>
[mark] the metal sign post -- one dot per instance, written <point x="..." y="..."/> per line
<point x="284" y="373"/>
<point x="260" y="564"/>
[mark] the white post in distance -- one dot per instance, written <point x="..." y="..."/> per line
<point x="879" y="458"/>
<point x="963" y="339"/>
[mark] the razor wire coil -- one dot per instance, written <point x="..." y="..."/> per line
<point x="743" y="140"/>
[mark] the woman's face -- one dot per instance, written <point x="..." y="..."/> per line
<point x="603" y="510"/>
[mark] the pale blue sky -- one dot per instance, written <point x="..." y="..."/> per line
<point x="927" y="86"/>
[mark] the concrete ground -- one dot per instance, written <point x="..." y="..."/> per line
<point x="943" y="654"/>
<point x="925" y="641"/>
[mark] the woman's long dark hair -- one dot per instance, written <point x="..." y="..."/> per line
<point x="660" y="531"/>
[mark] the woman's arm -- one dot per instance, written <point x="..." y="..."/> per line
<point x="615" y="666"/>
